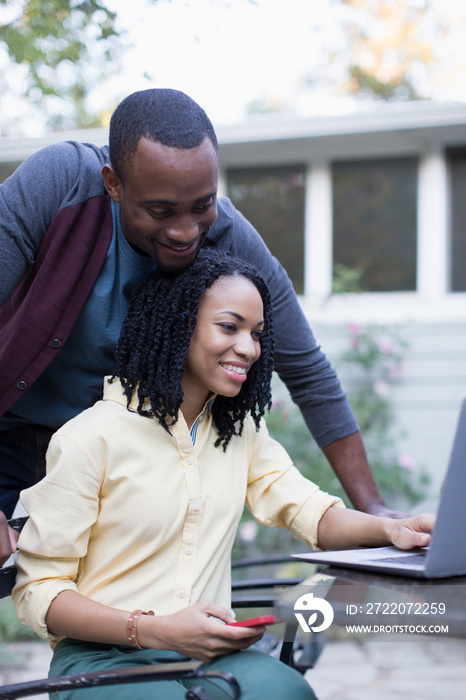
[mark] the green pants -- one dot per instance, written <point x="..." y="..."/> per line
<point x="259" y="675"/>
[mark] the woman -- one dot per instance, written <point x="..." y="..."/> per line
<point x="144" y="492"/>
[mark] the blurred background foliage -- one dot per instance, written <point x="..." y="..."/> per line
<point x="61" y="47"/>
<point x="55" y="53"/>
<point x="373" y="359"/>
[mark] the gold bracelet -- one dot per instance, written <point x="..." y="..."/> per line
<point x="132" y="626"/>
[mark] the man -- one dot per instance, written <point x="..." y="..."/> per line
<point x="80" y="226"/>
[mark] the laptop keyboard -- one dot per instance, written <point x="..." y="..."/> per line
<point x="414" y="558"/>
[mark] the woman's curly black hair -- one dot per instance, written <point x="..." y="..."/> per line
<point x="154" y="341"/>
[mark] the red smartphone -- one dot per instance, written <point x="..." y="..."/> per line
<point x="255" y="621"/>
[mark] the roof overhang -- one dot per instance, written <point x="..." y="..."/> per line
<point x="387" y="129"/>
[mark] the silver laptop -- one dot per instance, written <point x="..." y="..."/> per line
<point x="446" y="554"/>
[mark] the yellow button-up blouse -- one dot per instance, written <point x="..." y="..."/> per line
<point x="134" y="517"/>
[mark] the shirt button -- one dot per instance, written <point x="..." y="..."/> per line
<point x="197" y="506"/>
<point x="22" y="385"/>
<point x="189" y="460"/>
<point x="56" y="343"/>
<point x="189" y="550"/>
<point x="182" y="594"/>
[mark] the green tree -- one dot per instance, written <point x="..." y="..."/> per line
<point x="60" y="47"/>
<point x="399" y="50"/>
<point x="387" y="50"/>
<point x="387" y="43"/>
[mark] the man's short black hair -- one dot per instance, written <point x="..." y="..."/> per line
<point x="160" y="114"/>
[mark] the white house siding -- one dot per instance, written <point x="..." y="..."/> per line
<point x="428" y="393"/>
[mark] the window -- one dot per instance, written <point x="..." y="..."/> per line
<point x="374" y="225"/>
<point x="457" y="172"/>
<point x="7" y="169"/>
<point x="272" y="199"/>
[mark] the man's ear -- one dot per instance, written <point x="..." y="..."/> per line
<point x="112" y="182"/>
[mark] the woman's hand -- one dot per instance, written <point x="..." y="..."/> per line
<point x="197" y="632"/>
<point x="341" y="528"/>
<point x="413" y="532"/>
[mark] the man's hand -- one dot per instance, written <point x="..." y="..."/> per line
<point x="197" y="632"/>
<point x="349" y="462"/>
<point x="413" y="532"/>
<point x="8" y="539"/>
<point x="384" y="512"/>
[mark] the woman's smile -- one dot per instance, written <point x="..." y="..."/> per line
<point x="240" y="372"/>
